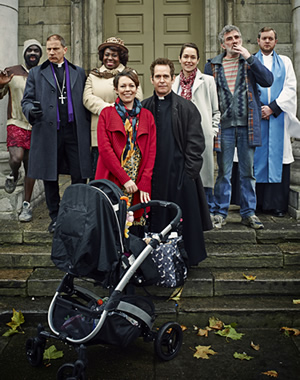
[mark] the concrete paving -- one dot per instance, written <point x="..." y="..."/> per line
<point x="277" y="352"/>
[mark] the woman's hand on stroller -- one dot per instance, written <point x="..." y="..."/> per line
<point x="144" y="197"/>
<point x="130" y="187"/>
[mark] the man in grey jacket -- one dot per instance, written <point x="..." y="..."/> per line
<point x="60" y="142"/>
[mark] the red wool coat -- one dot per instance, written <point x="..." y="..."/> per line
<point x="111" y="142"/>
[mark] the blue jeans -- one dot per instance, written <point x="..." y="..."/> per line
<point x="231" y="137"/>
<point x="209" y="198"/>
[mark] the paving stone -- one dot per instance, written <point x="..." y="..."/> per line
<point x="271" y="281"/>
<point x="14" y="282"/>
<point x="246" y="311"/>
<point x="242" y="256"/>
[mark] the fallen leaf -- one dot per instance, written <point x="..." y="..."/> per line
<point x="215" y="323"/>
<point x="195" y="327"/>
<point x="296" y="302"/>
<point x="271" y="373"/>
<point x="52" y="353"/>
<point x="255" y="346"/>
<point x="175" y="296"/>
<point x="249" y="277"/>
<point x="16" y="320"/>
<point x="242" y="356"/>
<point x="291" y="331"/>
<point x="183" y="328"/>
<point x="202" y="332"/>
<point x="230" y="332"/>
<point x="202" y="352"/>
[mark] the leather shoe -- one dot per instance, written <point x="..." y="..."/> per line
<point x="278" y="213"/>
<point x="52" y="226"/>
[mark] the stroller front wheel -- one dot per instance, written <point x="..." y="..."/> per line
<point x="34" y="351"/>
<point x="71" y="371"/>
<point x="168" y="341"/>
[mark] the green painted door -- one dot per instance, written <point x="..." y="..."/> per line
<point x="152" y="29"/>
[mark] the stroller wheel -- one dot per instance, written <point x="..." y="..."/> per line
<point x="168" y="341"/>
<point x="35" y="351"/>
<point x="71" y="371"/>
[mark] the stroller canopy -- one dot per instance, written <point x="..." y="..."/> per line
<point x="89" y="234"/>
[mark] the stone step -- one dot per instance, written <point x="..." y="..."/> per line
<point x="247" y="312"/>
<point x="201" y="282"/>
<point x="218" y="256"/>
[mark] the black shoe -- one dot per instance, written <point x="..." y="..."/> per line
<point x="52" y="226"/>
<point x="278" y="213"/>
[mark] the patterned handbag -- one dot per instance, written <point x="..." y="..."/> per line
<point x="171" y="260"/>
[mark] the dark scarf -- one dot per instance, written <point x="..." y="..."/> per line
<point x="69" y="94"/>
<point x="187" y="84"/>
<point x="130" y="119"/>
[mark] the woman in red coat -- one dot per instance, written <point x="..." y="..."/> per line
<point x="127" y="142"/>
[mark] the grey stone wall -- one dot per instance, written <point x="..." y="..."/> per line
<point x="251" y="15"/>
<point x="40" y="18"/>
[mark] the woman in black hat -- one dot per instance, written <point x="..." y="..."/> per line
<point x="99" y="90"/>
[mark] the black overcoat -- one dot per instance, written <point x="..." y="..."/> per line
<point x="40" y="86"/>
<point x="186" y="124"/>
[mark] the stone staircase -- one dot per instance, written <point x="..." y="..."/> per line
<point x="28" y="278"/>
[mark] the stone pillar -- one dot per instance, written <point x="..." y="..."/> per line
<point x="294" y="202"/>
<point x="8" y="57"/>
<point x="76" y="32"/>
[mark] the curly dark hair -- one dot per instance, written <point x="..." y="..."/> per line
<point x="123" y="55"/>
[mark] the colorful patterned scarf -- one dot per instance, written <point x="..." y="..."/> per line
<point x="130" y="120"/>
<point x="186" y="84"/>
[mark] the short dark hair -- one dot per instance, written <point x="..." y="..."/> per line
<point x="165" y="62"/>
<point x="191" y="45"/>
<point x="267" y="29"/>
<point x="123" y="55"/>
<point x="228" y="29"/>
<point x="130" y="73"/>
<point x="59" y="38"/>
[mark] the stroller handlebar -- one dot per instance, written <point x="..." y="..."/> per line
<point x="165" y="204"/>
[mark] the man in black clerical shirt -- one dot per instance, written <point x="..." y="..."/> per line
<point x="60" y="142"/>
<point x="180" y="144"/>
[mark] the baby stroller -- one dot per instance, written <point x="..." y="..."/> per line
<point x="89" y="244"/>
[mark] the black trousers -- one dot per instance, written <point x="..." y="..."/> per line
<point x="67" y="151"/>
<point x="274" y="196"/>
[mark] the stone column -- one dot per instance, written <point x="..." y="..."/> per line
<point x="294" y="202"/>
<point x="8" y="57"/>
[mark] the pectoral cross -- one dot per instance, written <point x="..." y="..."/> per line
<point x="61" y="98"/>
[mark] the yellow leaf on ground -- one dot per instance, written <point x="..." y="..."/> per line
<point x="202" y="332"/>
<point x="175" y="296"/>
<point x="215" y="323"/>
<point x="296" y="302"/>
<point x="242" y="356"/>
<point x="255" y="346"/>
<point x="291" y="331"/>
<point x="183" y="328"/>
<point x="202" y="352"/>
<point x="249" y="277"/>
<point x="270" y="373"/>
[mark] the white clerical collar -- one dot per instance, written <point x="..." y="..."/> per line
<point x="59" y="64"/>
<point x="161" y="98"/>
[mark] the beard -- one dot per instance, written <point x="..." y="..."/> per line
<point x="31" y="62"/>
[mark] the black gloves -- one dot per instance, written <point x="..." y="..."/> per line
<point x="36" y="110"/>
